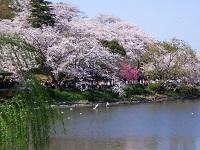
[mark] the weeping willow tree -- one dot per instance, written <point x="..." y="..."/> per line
<point x="25" y="119"/>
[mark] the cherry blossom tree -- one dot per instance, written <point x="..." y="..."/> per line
<point x="170" y="60"/>
<point x="110" y="28"/>
<point x="129" y="73"/>
<point x="17" y="55"/>
<point x="73" y="45"/>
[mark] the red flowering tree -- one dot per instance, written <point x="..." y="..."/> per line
<point x="129" y="73"/>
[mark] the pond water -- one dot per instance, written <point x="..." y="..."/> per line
<point x="159" y="126"/>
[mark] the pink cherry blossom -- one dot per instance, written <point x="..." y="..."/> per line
<point x="129" y="73"/>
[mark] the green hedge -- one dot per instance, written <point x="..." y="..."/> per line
<point x="157" y="88"/>
<point x="102" y="95"/>
<point x="188" y="90"/>
<point x="90" y="95"/>
<point x="107" y="95"/>
<point x="66" y="95"/>
<point x="136" y="90"/>
<point x="153" y="86"/>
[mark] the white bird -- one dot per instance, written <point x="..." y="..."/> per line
<point x="71" y="109"/>
<point x="96" y="106"/>
<point x="81" y="113"/>
<point x="107" y="104"/>
<point x="192" y="113"/>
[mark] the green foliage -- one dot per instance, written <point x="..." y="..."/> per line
<point x="66" y="95"/>
<point x="188" y="90"/>
<point x="5" y="11"/>
<point x="15" y="40"/>
<point x="25" y="120"/>
<point x="114" y="46"/>
<point x="102" y="96"/>
<point x="41" y="14"/>
<point x="159" y="88"/>
<point x="154" y="86"/>
<point x="90" y="95"/>
<point x="151" y="89"/>
<point x="152" y="74"/>
<point x="12" y="125"/>
<point x="181" y="90"/>
<point x="136" y="90"/>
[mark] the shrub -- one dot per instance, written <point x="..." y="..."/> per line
<point x="188" y="90"/>
<point x="102" y="96"/>
<point x="156" y="87"/>
<point x="90" y="95"/>
<point x="136" y="90"/>
<point x="153" y="86"/>
<point x="66" y="95"/>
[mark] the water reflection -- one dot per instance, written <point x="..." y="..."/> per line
<point x="162" y="126"/>
<point x="125" y="144"/>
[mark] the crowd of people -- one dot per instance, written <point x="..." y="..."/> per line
<point x="80" y="84"/>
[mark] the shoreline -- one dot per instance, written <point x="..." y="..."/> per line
<point x="131" y="101"/>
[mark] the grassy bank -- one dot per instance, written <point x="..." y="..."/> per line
<point x="90" y="95"/>
<point x="133" y="93"/>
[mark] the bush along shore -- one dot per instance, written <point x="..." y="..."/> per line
<point x="133" y="94"/>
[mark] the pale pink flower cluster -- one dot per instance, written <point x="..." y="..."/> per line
<point x="73" y="46"/>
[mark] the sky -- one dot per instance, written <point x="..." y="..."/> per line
<point x="160" y="19"/>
